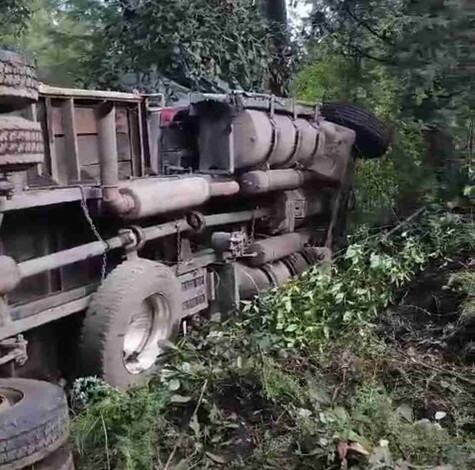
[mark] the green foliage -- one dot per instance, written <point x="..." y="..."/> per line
<point x="384" y="186"/>
<point x="301" y="374"/>
<point x="464" y="283"/>
<point x="386" y="56"/>
<point x="323" y="80"/>
<point x="377" y="190"/>
<point x="200" y="44"/>
<point x="14" y="15"/>
<point x="365" y="281"/>
<point x="278" y="385"/>
<point x="400" y="34"/>
<point x="116" y="426"/>
<point x="57" y="39"/>
<point x="327" y="76"/>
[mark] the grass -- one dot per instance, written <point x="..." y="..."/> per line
<point x="305" y="379"/>
<point x="464" y="282"/>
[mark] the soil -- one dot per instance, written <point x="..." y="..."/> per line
<point x="428" y="314"/>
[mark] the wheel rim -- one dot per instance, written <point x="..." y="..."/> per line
<point x="147" y="327"/>
<point x="9" y="397"/>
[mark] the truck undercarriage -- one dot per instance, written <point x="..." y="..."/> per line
<point x="121" y="217"/>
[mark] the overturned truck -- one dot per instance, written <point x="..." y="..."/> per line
<point x="121" y="217"/>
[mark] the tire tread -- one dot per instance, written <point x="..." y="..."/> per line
<point x="119" y="285"/>
<point x="372" y="137"/>
<point x="27" y="437"/>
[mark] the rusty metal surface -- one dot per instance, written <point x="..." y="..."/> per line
<point x="194" y="289"/>
<point x="10" y="274"/>
<point x="50" y="91"/>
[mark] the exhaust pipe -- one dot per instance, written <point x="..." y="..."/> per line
<point x="109" y="161"/>
<point x="151" y="196"/>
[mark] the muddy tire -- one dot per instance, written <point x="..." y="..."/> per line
<point x="21" y="142"/>
<point x="372" y="137"/>
<point x="34" y="421"/>
<point x="18" y="82"/>
<point x="61" y="459"/>
<point x="138" y="305"/>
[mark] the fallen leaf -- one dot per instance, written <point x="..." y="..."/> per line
<point x="406" y="412"/>
<point x="165" y="344"/>
<point x="440" y="415"/>
<point x="174" y="385"/>
<point x="179" y="399"/>
<point x="358" y="448"/>
<point x="195" y="425"/>
<point x="222" y="459"/>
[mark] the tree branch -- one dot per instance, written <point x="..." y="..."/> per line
<point x="366" y="25"/>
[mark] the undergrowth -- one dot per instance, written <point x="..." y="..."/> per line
<point x="464" y="282"/>
<point x="302" y="380"/>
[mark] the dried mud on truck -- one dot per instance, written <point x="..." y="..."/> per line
<point x="120" y="217"/>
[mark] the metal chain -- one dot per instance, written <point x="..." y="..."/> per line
<point x="96" y="233"/>
<point x="178" y="246"/>
<point x="253" y="225"/>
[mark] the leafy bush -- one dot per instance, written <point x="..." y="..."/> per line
<point x="299" y="377"/>
<point x="364" y="281"/>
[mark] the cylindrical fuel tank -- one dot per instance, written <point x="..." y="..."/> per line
<point x="277" y="141"/>
<point x="309" y="137"/>
<point x="296" y="263"/>
<point x="256" y="182"/>
<point x="251" y="281"/>
<point x="275" y="248"/>
<point x="157" y="196"/>
<point x="279" y="272"/>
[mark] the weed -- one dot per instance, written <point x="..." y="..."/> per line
<point x="464" y="283"/>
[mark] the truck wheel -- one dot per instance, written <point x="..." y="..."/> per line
<point x="18" y="82"/>
<point x="21" y="142"/>
<point x="34" y="421"/>
<point x="136" y="307"/>
<point x="372" y="137"/>
<point x="60" y="459"/>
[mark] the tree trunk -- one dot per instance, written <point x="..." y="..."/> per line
<point x="275" y="13"/>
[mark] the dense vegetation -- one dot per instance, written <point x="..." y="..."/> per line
<point x="308" y="378"/>
<point x="319" y="374"/>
